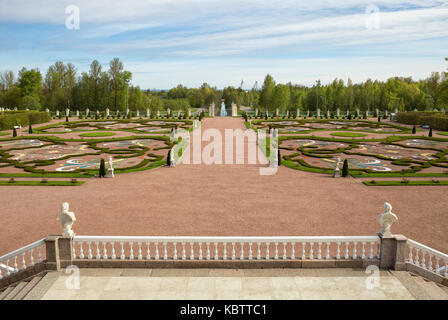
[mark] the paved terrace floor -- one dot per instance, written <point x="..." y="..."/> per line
<point x="222" y="200"/>
<point x="219" y="284"/>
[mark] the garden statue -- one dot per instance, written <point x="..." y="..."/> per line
<point x="386" y="220"/>
<point x="172" y="161"/>
<point x="337" y="173"/>
<point x="110" y="169"/>
<point x="67" y="219"/>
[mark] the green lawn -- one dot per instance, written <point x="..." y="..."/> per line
<point x="348" y="134"/>
<point x="4" y="133"/>
<point x="443" y="133"/>
<point x="97" y="134"/>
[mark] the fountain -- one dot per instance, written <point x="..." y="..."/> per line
<point x="223" y="112"/>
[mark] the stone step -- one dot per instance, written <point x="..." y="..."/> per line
<point x="26" y="289"/>
<point x="6" y="292"/>
<point x="15" y="291"/>
<point x="433" y="290"/>
<point x="407" y="280"/>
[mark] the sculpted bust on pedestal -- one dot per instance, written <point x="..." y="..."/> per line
<point x="67" y="219"/>
<point x="386" y="220"/>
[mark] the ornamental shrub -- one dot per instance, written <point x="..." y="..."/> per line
<point x="345" y="168"/>
<point x="102" y="171"/>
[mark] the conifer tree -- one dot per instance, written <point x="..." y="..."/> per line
<point x="102" y="171"/>
<point x="30" y="129"/>
<point x="430" y="132"/>
<point x="413" y="130"/>
<point x="14" y="132"/>
<point x="345" y="168"/>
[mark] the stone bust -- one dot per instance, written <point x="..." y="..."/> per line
<point x="386" y="220"/>
<point x="67" y="219"/>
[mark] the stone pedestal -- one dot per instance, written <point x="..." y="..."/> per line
<point x="211" y="110"/>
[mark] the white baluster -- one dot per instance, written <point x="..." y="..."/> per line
<point x="224" y="254"/>
<point x="139" y="257"/>
<point x="32" y="257"/>
<point x="191" y="251"/>
<point x="327" y="247"/>
<point x="216" y="250"/>
<point x="81" y="250"/>
<point x="437" y="264"/>
<point x="98" y="253"/>
<point x="74" y="250"/>
<point x="89" y="253"/>
<point x="207" y="244"/>
<point x="250" y="250"/>
<point x="416" y="258"/>
<point x="16" y="269"/>
<point x="1" y="274"/>
<point x="200" y="250"/>
<point x="8" y="272"/>
<point x="319" y="250"/>
<point x="131" y="250"/>
<point x="423" y="263"/>
<point x="23" y="261"/>
<point x="293" y="252"/>
<point x="338" y="253"/>
<point x="410" y="257"/>
<point x="233" y="250"/>
<point x="267" y="250"/>
<point x="242" y="251"/>
<point x="430" y="262"/>
<point x="371" y="250"/>
<point x="39" y="255"/>
<point x="122" y="256"/>
<point x="276" y="251"/>
<point x="112" y="245"/>
<point x="258" y="251"/>
<point x="184" y="256"/>
<point x="165" y="253"/>
<point x="311" y="250"/>
<point x="303" y="250"/>
<point x="156" y="244"/>
<point x="148" y="252"/>
<point x="346" y="251"/>
<point x="284" y="250"/>
<point x="104" y="250"/>
<point x="175" y="250"/>
<point x="355" y="245"/>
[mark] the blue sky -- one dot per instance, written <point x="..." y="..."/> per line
<point x="167" y="42"/>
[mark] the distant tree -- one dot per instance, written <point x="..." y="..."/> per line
<point x="102" y="171"/>
<point x="345" y="168"/>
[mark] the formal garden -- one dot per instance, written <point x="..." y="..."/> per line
<point x="397" y="152"/>
<point x="74" y="148"/>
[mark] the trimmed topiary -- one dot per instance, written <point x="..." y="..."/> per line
<point x="413" y="130"/>
<point x="279" y="158"/>
<point x="30" y="130"/>
<point x="14" y="132"/>
<point x="430" y="132"/>
<point x="345" y="168"/>
<point x="168" y="158"/>
<point x="66" y="118"/>
<point x="102" y="171"/>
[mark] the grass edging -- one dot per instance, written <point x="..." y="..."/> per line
<point x="39" y="183"/>
<point x="408" y="183"/>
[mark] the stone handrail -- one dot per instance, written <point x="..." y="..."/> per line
<point x="226" y="248"/>
<point x="427" y="258"/>
<point x="25" y="254"/>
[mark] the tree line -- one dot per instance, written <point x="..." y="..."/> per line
<point x="98" y="89"/>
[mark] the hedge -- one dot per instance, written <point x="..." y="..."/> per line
<point x="9" y="120"/>
<point x="437" y="120"/>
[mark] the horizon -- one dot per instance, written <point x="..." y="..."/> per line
<point x="191" y="42"/>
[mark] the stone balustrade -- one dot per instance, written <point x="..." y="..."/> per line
<point x="21" y="259"/>
<point x="226" y="248"/>
<point x="427" y="258"/>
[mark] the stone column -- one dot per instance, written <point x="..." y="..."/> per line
<point x="318" y="113"/>
<point x="52" y="253"/>
<point x="65" y="251"/>
<point x="277" y="113"/>
<point x="298" y="113"/>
